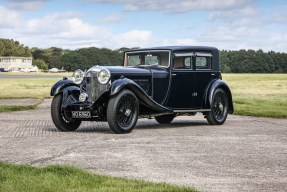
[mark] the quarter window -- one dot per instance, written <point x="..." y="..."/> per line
<point x="203" y="61"/>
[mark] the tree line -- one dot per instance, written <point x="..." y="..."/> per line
<point x="242" y="61"/>
<point x="251" y="61"/>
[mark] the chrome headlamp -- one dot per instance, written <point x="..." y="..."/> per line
<point x="78" y="76"/>
<point x="104" y="76"/>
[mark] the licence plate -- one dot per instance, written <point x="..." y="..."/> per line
<point x="81" y="114"/>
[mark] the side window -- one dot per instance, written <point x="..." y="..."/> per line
<point x="182" y="63"/>
<point x="183" y="60"/>
<point x="203" y="61"/>
<point x="187" y="62"/>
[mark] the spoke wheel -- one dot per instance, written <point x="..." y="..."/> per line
<point x="63" y="118"/>
<point x="219" y="108"/>
<point x="122" y="112"/>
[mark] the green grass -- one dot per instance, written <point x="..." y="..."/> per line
<point x="261" y="95"/>
<point x="38" y="88"/>
<point x="67" y="178"/>
<point x="7" y="108"/>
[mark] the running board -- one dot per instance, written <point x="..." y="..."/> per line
<point x="191" y="111"/>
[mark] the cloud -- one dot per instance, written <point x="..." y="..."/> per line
<point x="234" y="14"/>
<point x="245" y="16"/>
<point x="176" y="6"/>
<point x="112" y="18"/>
<point x="278" y="18"/>
<point x="51" y="24"/>
<point x="67" y="30"/>
<point x="8" y="18"/>
<point x="26" y="4"/>
<point x="56" y="29"/>
<point x="133" y="38"/>
<point x="240" y="25"/>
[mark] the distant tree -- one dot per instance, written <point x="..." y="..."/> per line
<point x="73" y="60"/>
<point x="224" y="62"/>
<point x="40" y="64"/>
<point x="9" y="47"/>
<point x="241" y="61"/>
<point x="52" y="56"/>
<point x="87" y="57"/>
<point x="251" y="61"/>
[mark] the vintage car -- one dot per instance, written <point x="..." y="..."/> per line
<point x="160" y="82"/>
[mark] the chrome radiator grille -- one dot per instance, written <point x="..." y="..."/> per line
<point x="94" y="88"/>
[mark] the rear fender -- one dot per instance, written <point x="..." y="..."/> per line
<point x="210" y="91"/>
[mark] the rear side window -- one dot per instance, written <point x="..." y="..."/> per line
<point x="203" y="61"/>
<point x="183" y="60"/>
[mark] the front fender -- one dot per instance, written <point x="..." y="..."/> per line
<point x="143" y="97"/>
<point x="70" y="95"/>
<point x="210" y="90"/>
<point x="60" y="85"/>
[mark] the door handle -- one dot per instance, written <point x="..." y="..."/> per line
<point x="174" y="75"/>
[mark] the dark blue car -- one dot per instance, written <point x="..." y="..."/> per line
<point x="160" y="82"/>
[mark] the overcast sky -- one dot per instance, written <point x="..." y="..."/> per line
<point x="72" y="24"/>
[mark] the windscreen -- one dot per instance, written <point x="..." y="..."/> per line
<point x="151" y="58"/>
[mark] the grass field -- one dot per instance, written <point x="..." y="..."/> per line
<point x="263" y="95"/>
<point x="52" y="178"/>
<point x="38" y="88"/>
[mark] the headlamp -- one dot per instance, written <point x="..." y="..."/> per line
<point x="104" y="76"/>
<point x="78" y="76"/>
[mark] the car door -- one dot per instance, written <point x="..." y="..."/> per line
<point x="202" y="76"/>
<point x="181" y="88"/>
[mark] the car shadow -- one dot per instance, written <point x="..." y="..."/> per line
<point x="175" y="124"/>
<point x="103" y="127"/>
<point x="83" y="129"/>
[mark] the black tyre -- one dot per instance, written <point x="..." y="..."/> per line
<point x="122" y="112"/>
<point x="219" y="108"/>
<point x="164" y="119"/>
<point x="62" y="118"/>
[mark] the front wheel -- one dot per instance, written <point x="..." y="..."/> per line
<point x="62" y="118"/>
<point x="219" y="108"/>
<point x="122" y="112"/>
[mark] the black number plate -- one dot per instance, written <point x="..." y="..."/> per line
<point x="81" y="114"/>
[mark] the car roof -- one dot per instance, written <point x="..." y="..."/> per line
<point x="180" y="48"/>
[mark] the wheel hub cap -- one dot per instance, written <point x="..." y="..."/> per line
<point x="128" y="112"/>
<point x="220" y="106"/>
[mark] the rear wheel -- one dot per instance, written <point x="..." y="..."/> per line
<point x="62" y="118"/>
<point x="219" y="108"/>
<point x="164" y="119"/>
<point x="122" y="112"/>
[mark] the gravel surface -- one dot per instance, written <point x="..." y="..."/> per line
<point x="244" y="154"/>
<point x="18" y="102"/>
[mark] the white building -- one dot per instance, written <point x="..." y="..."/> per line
<point x="15" y="63"/>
